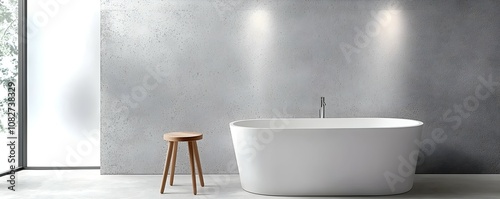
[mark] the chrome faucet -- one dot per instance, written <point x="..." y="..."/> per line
<point x="322" y="108"/>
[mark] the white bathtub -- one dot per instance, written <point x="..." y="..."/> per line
<point x="332" y="156"/>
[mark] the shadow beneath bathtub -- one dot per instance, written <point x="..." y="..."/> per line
<point x="454" y="186"/>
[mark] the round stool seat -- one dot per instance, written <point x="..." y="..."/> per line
<point x="182" y="136"/>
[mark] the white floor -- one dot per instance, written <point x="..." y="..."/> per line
<point x="89" y="184"/>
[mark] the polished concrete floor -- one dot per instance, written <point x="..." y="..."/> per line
<point x="67" y="184"/>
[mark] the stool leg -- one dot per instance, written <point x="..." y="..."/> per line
<point x="167" y="163"/>
<point x="197" y="156"/>
<point x="172" y="171"/>
<point x="191" y="161"/>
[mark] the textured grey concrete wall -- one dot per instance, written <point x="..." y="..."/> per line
<point x="198" y="65"/>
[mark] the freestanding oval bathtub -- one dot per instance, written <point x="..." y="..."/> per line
<point x="326" y="156"/>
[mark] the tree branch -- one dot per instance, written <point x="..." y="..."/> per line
<point x="8" y="27"/>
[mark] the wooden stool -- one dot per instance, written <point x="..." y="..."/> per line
<point x="173" y="140"/>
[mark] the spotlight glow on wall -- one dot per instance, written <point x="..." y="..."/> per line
<point x="391" y="35"/>
<point x="258" y="39"/>
<point x="259" y="21"/>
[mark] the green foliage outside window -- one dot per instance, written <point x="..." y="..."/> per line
<point x="8" y="53"/>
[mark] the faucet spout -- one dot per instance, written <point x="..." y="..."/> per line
<point x="322" y="108"/>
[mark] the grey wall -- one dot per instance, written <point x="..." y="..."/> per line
<point x="198" y="65"/>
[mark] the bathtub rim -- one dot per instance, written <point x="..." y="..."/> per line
<point x="417" y="123"/>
